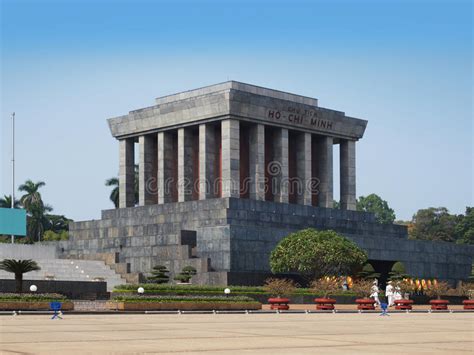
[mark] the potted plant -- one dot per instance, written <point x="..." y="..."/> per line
<point x="437" y="289"/>
<point x="326" y="286"/>
<point x="405" y="288"/>
<point x="278" y="289"/>
<point x="363" y="289"/>
<point x="185" y="275"/>
<point x="467" y="290"/>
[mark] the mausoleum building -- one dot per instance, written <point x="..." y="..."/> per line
<point x="224" y="173"/>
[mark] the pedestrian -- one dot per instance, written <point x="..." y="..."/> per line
<point x="375" y="292"/>
<point x="389" y="293"/>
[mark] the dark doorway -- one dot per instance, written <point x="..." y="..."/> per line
<point x="383" y="267"/>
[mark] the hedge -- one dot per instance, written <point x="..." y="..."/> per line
<point x="32" y="297"/>
<point x="198" y="299"/>
<point x="212" y="290"/>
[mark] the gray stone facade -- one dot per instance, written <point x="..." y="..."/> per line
<point x="234" y="239"/>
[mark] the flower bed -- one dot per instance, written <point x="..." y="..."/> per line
<point x="32" y="302"/>
<point x="148" y="303"/>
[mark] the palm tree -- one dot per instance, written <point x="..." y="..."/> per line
<point x="6" y="202"/>
<point x="32" y="195"/>
<point x="38" y="221"/>
<point x="19" y="267"/>
<point x="114" y="194"/>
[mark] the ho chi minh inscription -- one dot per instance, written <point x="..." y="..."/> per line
<point x="298" y="116"/>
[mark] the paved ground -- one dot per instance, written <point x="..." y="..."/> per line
<point x="447" y="333"/>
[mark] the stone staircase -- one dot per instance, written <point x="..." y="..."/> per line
<point x="72" y="270"/>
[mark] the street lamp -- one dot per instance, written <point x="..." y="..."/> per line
<point x="140" y="290"/>
<point x="227" y="292"/>
<point x="33" y="288"/>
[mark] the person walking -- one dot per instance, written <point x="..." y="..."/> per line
<point x="389" y="293"/>
<point x="375" y="292"/>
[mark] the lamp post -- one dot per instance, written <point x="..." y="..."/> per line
<point x="13" y="167"/>
<point x="33" y="288"/>
<point x="227" y="292"/>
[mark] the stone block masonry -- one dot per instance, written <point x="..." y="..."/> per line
<point x="234" y="238"/>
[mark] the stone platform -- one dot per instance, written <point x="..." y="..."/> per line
<point x="229" y="240"/>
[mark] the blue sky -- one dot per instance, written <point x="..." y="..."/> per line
<point x="405" y="66"/>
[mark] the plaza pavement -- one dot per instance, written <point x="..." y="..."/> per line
<point x="401" y="333"/>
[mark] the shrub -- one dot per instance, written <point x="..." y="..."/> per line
<point x="362" y="288"/>
<point x="315" y="254"/>
<point x="405" y="287"/>
<point x="279" y="287"/>
<point x="163" y="299"/>
<point x="437" y="289"/>
<point x="466" y="289"/>
<point x="368" y="272"/>
<point x="327" y="285"/>
<point x="186" y="274"/>
<point x="159" y="275"/>
<point x="398" y="272"/>
<point x="32" y="297"/>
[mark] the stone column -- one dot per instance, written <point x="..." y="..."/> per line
<point x="147" y="170"/>
<point x="165" y="167"/>
<point x="207" y="161"/>
<point x="257" y="162"/>
<point x="127" y="173"/>
<point x="325" y="172"/>
<point x="348" y="174"/>
<point x="185" y="165"/>
<point x="230" y="158"/>
<point x="280" y="165"/>
<point x="303" y="166"/>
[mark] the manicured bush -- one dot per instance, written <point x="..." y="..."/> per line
<point x="32" y="297"/>
<point x="279" y="287"/>
<point x="327" y="285"/>
<point x="314" y="254"/>
<point x="198" y="299"/>
<point x="398" y="272"/>
<point x="159" y="275"/>
<point x="186" y="274"/>
<point x="167" y="289"/>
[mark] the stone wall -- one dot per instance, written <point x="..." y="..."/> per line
<point x="234" y="239"/>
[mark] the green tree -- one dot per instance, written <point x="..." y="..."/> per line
<point x="57" y="223"/>
<point x="368" y="272"/>
<point x="32" y="196"/>
<point x="115" y="184"/>
<point x="374" y="203"/>
<point x="186" y="274"/>
<point x="19" y="267"/>
<point x="314" y="254"/>
<point x="398" y="272"/>
<point x="159" y="275"/>
<point x="433" y="224"/>
<point x="464" y="229"/>
<point x="114" y="194"/>
<point x="50" y="235"/>
<point x="37" y="221"/>
<point x="6" y="202"/>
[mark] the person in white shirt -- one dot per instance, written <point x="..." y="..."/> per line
<point x="397" y="294"/>
<point x="389" y="293"/>
<point x="375" y="292"/>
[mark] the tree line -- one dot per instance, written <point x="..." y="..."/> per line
<point x="433" y="223"/>
<point x="41" y="224"/>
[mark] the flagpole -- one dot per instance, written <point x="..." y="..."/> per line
<point x="13" y="167"/>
